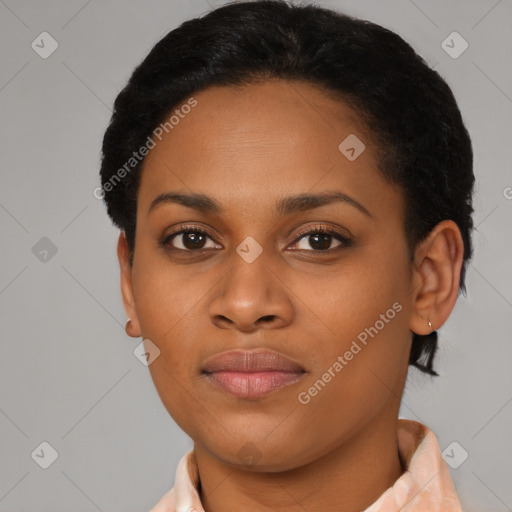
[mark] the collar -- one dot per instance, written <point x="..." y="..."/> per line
<point x="424" y="486"/>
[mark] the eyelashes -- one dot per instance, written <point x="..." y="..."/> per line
<point x="194" y="236"/>
<point x="327" y="231"/>
<point x="192" y="230"/>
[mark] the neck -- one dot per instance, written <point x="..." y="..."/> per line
<point x="349" y="478"/>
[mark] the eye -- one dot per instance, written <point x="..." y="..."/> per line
<point x="321" y="238"/>
<point x="188" y="239"/>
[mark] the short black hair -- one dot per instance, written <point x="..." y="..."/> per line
<point x="407" y="107"/>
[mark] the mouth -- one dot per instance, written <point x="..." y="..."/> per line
<point x="251" y="374"/>
<point x="252" y="384"/>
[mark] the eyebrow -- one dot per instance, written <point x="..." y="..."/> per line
<point x="284" y="206"/>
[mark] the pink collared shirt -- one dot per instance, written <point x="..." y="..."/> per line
<point x="425" y="485"/>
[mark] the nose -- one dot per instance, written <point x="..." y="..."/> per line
<point x="251" y="297"/>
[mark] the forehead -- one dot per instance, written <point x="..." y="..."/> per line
<point x="249" y="144"/>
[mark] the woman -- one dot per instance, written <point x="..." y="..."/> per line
<point x="294" y="193"/>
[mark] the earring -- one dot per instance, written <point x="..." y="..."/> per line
<point x="430" y="325"/>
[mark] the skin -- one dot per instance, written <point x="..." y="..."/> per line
<point x="247" y="147"/>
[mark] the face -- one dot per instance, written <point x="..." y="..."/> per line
<point x="324" y="283"/>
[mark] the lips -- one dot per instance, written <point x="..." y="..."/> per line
<point x="251" y="373"/>
<point x="258" y="360"/>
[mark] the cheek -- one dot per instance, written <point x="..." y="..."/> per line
<point x="165" y="295"/>
<point x="357" y="295"/>
<point x="364" y="305"/>
<point x="168" y="307"/>
<point x="169" y="311"/>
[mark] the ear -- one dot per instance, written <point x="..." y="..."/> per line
<point x="436" y="277"/>
<point x="123" y="254"/>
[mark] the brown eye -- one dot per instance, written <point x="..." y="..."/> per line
<point x="188" y="240"/>
<point x="320" y="239"/>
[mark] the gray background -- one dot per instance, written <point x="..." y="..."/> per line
<point x="68" y="375"/>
